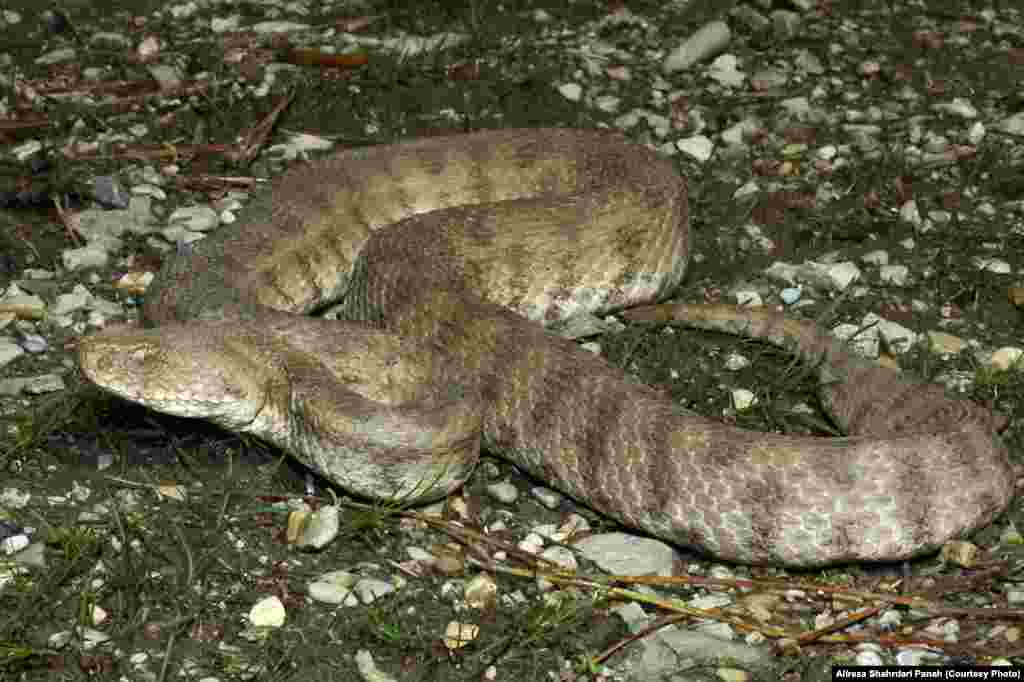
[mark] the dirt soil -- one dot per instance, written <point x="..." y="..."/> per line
<point x="879" y="146"/>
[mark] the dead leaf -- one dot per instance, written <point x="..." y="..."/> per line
<point x="308" y="57"/>
<point x="464" y="71"/>
<point x="927" y="40"/>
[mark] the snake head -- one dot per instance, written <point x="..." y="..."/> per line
<point x="183" y="371"/>
<point x="380" y="416"/>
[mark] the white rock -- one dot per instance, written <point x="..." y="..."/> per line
<point x="868" y="658"/>
<point x="624" y="554"/>
<point x="85" y="257"/>
<point x="894" y="274"/>
<point x="177" y="234"/>
<point x="265" y="27"/>
<point x="748" y="297"/>
<point x="299" y="145"/>
<point x="561" y="556"/>
<point x="867" y="342"/>
<point x="797" y="107"/>
<point x="910" y="213"/>
<point x="334" y="587"/>
<point x="571" y="91"/>
<point x="607" y="103"/>
<point x="977" y="133"/>
<point x="742" y="399"/>
<point x="267" y="612"/>
<point x="957" y="381"/>
<point x="661" y="125"/>
<point x="63" y="55"/>
<point x="627" y="121"/>
<point x="184" y="11"/>
<point x="995" y="265"/>
<point x="370" y="590"/>
<point x="532" y="543"/>
<point x="709" y="40"/>
<point x="14" y="498"/>
<point x="757" y="240"/>
<point x="225" y="24"/>
<point x="738" y="133"/>
<point x="546" y="530"/>
<point x="368" y="670"/>
<point x="890" y="619"/>
<point x="1014" y="124"/>
<point x="59" y="640"/>
<point x="78" y="298"/>
<point x="836" y="276"/>
<point x="735" y="361"/>
<point x="91" y="638"/>
<point x="194" y="218"/>
<point x="721" y="632"/>
<point x="150" y="190"/>
<point x="913" y="657"/>
<point x="14" y="544"/>
<point x="725" y="70"/>
<point x="698" y="147"/>
<point x="828" y="152"/>
<point x="26" y="149"/>
<point x="897" y="338"/>
<point x="947" y="630"/>
<point x="169" y="78"/>
<point x="503" y="492"/>
<point x="746" y="189"/>
<point x="710" y="601"/>
<point x="321" y="527"/>
<point x="481" y="591"/>
<point x="782" y="271"/>
<point x="958" y="107"/>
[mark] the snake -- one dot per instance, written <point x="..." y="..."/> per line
<point x="449" y="260"/>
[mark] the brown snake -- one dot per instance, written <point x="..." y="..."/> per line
<point x="443" y="247"/>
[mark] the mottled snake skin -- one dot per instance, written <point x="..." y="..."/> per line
<point x="450" y="251"/>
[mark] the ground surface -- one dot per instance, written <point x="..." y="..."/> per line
<point x="878" y="134"/>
